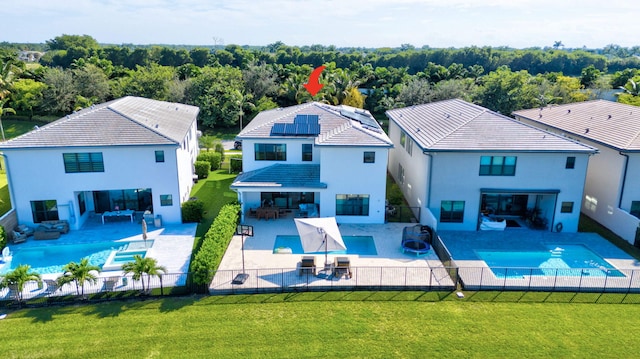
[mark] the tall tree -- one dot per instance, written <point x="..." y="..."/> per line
<point x="27" y="95"/>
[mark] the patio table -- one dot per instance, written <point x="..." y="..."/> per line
<point x="127" y="212"/>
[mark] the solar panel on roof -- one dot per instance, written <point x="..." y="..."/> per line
<point x="306" y="119"/>
<point x="367" y="121"/>
<point x="310" y="128"/>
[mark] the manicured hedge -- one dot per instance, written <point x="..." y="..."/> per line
<point x="3" y="238"/>
<point x="202" y="169"/>
<point x="215" y="243"/>
<point x="236" y="166"/>
<point x="214" y="159"/>
<point x="192" y="211"/>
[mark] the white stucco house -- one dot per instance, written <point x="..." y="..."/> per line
<point x="460" y="163"/>
<point x="612" y="192"/>
<point x="131" y="153"/>
<point x="331" y="157"/>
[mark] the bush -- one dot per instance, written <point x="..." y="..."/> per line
<point x="219" y="148"/>
<point x="3" y="238"/>
<point x="192" y="211"/>
<point x="215" y="243"/>
<point x="202" y="168"/>
<point x="235" y="165"/>
<point x="214" y="159"/>
<point x="394" y="194"/>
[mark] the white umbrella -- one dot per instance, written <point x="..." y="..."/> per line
<point x="319" y="234"/>
<point x="144" y="232"/>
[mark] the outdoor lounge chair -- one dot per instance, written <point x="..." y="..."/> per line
<point x="308" y="265"/>
<point x="51" y="286"/>
<point x="110" y="283"/>
<point x="342" y="267"/>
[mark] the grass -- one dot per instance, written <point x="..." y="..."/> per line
<point x="351" y="324"/>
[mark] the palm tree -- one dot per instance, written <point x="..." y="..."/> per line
<point x="8" y="70"/>
<point x="80" y="273"/>
<point x="140" y="266"/>
<point x="631" y="88"/>
<point x="17" y="278"/>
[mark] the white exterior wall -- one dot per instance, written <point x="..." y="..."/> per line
<point x="456" y="177"/>
<point x="294" y="152"/>
<point x="344" y="172"/>
<point x="186" y="157"/>
<point x="416" y="171"/>
<point x="38" y="174"/>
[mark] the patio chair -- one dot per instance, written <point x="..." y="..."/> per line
<point x="342" y="267"/>
<point x="308" y="265"/>
<point x="19" y="237"/>
<point x="51" y="286"/>
<point x="110" y="283"/>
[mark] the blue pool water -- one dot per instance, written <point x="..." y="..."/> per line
<point x="51" y="258"/>
<point x="362" y="245"/>
<point x="559" y="259"/>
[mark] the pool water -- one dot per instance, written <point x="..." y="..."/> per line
<point x="362" y="245"/>
<point x="560" y="259"/>
<point x="51" y="258"/>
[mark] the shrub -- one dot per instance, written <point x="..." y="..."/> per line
<point x="394" y="194"/>
<point x="236" y="166"/>
<point x="192" y="211"/>
<point x="214" y="159"/>
<point x="202" y="168"/>
<point x="3" y="238"/>
<point x="219" y="148"/>
<point x="215" y="243"/>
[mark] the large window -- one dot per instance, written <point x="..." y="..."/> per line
<point x="83" y="162"/>
<point x="452" y="211"/>
<point x="406" y="142"/>
<point x="635" y="208"/>
<point x="497" y="165"/>
<point x="400" y="174"/>
<point x="307" y="152"/>
<point x="352" y="205"/>
<point x="270" y="151"/>
<point x="44" y="210"/>
<point x="138" y="199"/>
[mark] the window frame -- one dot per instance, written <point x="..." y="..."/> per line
<point x="635" y="211"/>
<point x="361" y="205"/>
<point x="83" y="162"/>
<point x="159" y="156"/>
<point x="166" y="200"/>
<point x="571" y="163"/>
<point x="566" y="207"/>
<point x="307" y="152"/>
<point x="270" y="151"/>
<point x="46" y="213"/>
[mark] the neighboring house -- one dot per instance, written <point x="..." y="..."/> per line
<point x="455" y="161"/>
<point x="612" y="193"/>
<point x="131" y="153"/>
<point x="332" y="157"/>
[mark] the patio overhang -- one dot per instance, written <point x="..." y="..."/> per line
<point x="280" y="176"/>
<point x="519" y="190"/>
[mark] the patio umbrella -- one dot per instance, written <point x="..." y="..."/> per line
<point x="144" y="232"/>
<point x="319" y="235"/>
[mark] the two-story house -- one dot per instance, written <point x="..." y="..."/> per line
<point x="131" y="153"/>
<point x="329" y="158"/>
<point x="612" y="193"/>
<point x="457" y="161"/>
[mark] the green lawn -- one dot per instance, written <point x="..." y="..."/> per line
<point x="315" y="325"/>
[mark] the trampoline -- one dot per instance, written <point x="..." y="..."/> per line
<point x="417" y="239"/>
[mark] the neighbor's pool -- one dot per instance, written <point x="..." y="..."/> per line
<point x="560" y="259"/>
<point x="51" y="258"/>
<point x="362" y="245"/>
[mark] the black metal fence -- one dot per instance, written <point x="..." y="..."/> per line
<point x="402" y="214"/>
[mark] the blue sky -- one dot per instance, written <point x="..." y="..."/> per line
<point x="358" y="23"/>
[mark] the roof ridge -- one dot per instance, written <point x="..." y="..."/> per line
<point x="464" y="123"/>
<point x="108" y="107"/>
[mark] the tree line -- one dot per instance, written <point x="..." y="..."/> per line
<point x="232" y="83"/>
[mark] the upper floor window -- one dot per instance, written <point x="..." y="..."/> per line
<point x="270" y="151"/>
<point x="159" y="156"/>
<point x="566" y="207"/>
<point x="571" y="163"/>
<point x="307" y="152"/>
<point x="497" y="165"/>
<point x="369" y="157"/>
<point x="83" y="162"/>
<point x="406" y="142"/>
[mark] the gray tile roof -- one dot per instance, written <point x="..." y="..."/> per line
<point x="335" y="128"/>
<point x="125" y="121"/>
<point x="610" y="123"/>
<point x="456" y="125"/>
<point x="281" y="176"/>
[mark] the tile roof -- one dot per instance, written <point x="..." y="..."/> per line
<point x="125" y="121"/>
<point x="610" y="123"/>
<point x="336" y="127"/>
<point x="456" y="125"/>
<point x="281" y="176"/>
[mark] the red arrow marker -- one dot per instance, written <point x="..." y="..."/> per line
<point x="314" y="85"/>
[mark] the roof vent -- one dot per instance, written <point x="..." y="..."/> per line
<point x="540" y="116"/>
<point x="609" y="117"/>
<point x="586" y="130"/>
<point x="568" y="111"/>
<point x="418" y="129"/>
<point x="156" y="125"/>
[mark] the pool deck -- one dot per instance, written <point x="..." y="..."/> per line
<point x="172" y="247"/>
<point x="268" y="271"/>
<point x="475" y="274"/>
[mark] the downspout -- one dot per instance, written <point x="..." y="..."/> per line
<point x="429" y="178"/>
<point x="624" y="177"/>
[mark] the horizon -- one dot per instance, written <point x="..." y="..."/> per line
<point x="518" y="24"/>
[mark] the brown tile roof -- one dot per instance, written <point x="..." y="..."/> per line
<point x="125" y="121"/>
<point x="456" y="125"/>
<point x="336" y="129"/>
<point x="610" y="123"/>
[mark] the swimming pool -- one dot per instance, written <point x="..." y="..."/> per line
<point x="51" y="258"/>
<point x="117" y="258"/>
<point x="559" y="259"/>
<point x="362" y="245"/>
